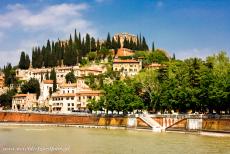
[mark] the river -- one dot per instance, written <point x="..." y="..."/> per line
<point x="71" y="140"/>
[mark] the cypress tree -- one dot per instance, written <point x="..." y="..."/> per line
<point x="93" y="44"/>
<point x="98" y="45"/>
<point x="87" y="44"/>
<point x="47" y="75"/>
<point x="118" y="42"/>
<point x="153" y="47"/>
<point x="22" y="62"/>
<point x="54" y="78"/>
<point x="125" y="43"/>
<point x="144" y="45"/>
<point x="108" y="42"/>
<point x="27" y="62"/>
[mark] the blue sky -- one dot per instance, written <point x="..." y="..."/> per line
<point x="187" y="28"/>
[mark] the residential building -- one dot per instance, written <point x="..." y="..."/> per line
<point x="154" y="66"/>
<point x="46" y="86"/>
<point x="123" y="52"/>
<point x="40" y="73"/>
<point x="2" y="80"/>
<point x="72" y="97"/>
<point x="24" y="101"/>
<point x="128" y="67"/>
<point x="124" y="36"/>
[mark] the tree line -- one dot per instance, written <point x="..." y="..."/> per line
<point x="73" y="50"/>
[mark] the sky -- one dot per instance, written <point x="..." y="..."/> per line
<point x="188" y="28"/>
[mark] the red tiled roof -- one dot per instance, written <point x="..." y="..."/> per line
<point x="48" y="81"/>
<point x="124" y="52"/>
<point x="23" y="95"/>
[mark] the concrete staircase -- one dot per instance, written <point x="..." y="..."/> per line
<point x="156" y="127"/>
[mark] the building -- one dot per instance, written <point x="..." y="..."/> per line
<point x="2" y="80"/>
<point x="40" y="73"/>
<point x="124" y="36"/>
<point x="128" y="67"/>
<point x="46" y="86"/>
<point x="154" y="66"/>
<point x="71" y="97"/>
<point x="24" y="102"/>
<point x="123" y="52"/>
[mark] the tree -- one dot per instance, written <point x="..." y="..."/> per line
<point x="153" y="47"/>
<point x="70" y="77"/>
<point x="32" y="86"/>
<point x="27" y="62"/>
<point x="22" y="62"/>
<point x="108" y="42"/>
<point x="6" y="99"/>
<point x="54" y="78"/>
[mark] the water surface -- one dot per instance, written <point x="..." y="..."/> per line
<point x="71" y="140"/>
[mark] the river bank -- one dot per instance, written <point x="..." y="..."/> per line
<point x="157" y="123"/>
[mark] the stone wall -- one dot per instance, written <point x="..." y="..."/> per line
<point x="216" y="125"/>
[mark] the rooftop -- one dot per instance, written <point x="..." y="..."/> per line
<point x="125" y="61"/>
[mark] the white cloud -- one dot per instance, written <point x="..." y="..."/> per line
<point x="34" y="27"/>
<point x="195" y="52"/>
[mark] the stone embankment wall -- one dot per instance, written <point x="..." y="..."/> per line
<point x="71" y="119"/>
<point x="222" y="125"/>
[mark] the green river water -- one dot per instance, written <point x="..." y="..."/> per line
<point x="71" y="140"/>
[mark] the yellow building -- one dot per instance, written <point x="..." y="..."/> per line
<point x="128" y="67"/>
<point x="1" y="81"/>
<point x="24" y="102"/>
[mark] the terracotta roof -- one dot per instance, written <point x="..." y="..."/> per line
<point x="124" y="52"/>
<point x="125" y="61"/>
<point x="23" y="95"/>
<point x="89" y="92"/>
<point x="48" y="81"/>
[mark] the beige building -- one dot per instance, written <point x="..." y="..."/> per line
<point x="24" y="102"/>
<point x="129" y="67"/>
<point x="71" y="97"/>
<point x="2" y="80"/>
<point x="154" y="66"/>
<point x="123" y="36"/>
<point x="40" y="73"/>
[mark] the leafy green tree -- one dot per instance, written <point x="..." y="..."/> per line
<point x="70" y="77"/>
<point x="32" y="86"/>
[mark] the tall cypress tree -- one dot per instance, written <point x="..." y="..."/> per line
<point x="27" y="62"/>
<point x="153" y="46"/>
<point x="118" y="42"/>
<point x="144" y="45"/>
<point x="87" y="44"/>
<point x="108" y="42"/>
<point x="54" y="78"/>
<point x="93" y="44"/>
<point x="98" y="45"/>
<point x="22" y="62"/>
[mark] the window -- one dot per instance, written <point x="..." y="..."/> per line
<point x="67" y="98"/>
<point x="72" y="98"/>
<point x="72" y="91"/>
<point x="68" y="104"/>
<point x="72" y="104"/>
<point x="68" y="109"/>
